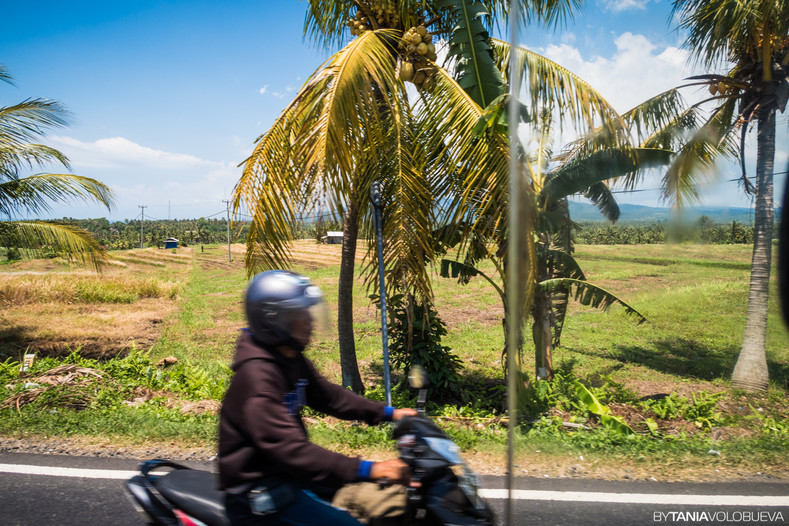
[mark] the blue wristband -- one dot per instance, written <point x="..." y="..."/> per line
<point x="365" y="468"/>
<point x="388" y="413"/>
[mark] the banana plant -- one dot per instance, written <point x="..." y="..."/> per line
<point x="559" y="277"/>
<point x="613" y="422"/>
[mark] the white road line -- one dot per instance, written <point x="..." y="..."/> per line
<point x="640" y="498"/>
<point x="564" y="496"/>
<point x="51" y="471"/>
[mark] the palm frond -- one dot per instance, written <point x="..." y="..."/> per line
<point x="587" y="294"/>
<point x="552" y="86"/>
<point x="469" y="171"/>
<point x="34" y="193"/>
<point x="720" y="30"/>
<point x="407" y="209"/>
<point x="661" y="122"/>
<point x="349" y="125"/>
<point x="551" y="13"/>
<point x="28" y="120"/>
<point x="15" y="157"/>
<point x="561" y="264"/>
<point x="325" y="21"/>
<point x="693" y="165"/>
<point x="51" y="237"/>
<point x="654" y="114"/>
<point x="5" y="76"/>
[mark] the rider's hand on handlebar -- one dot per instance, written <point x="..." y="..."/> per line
<point x="400" y="413"/>
<point x="395" y="471"/>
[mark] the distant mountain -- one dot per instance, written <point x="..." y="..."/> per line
<point x="585" y="212"/>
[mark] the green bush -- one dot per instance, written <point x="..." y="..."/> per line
<point x="415" y="331"/>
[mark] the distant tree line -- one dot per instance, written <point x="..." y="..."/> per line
<point x="121" y="235"/>
<point x="704" y="230"/>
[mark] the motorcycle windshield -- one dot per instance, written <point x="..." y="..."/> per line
<point x="446" y="448"/>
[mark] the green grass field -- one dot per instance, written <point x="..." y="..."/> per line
<point x="694" y="297"/>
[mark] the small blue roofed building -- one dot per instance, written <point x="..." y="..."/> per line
<point x="170" y="242"/>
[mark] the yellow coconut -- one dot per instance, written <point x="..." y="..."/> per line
<point x="406" y="71"/>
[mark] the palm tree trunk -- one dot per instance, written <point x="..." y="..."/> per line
<point x="350" y="368"/>
<point x="750" y="372"/>
<point x="542" y="334"/>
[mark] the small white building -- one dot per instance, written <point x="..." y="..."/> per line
<point x="332" y="238"/>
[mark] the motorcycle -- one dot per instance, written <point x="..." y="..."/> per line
<point x="443" y="490"/>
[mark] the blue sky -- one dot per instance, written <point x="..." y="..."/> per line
<point x="168" y="97"/>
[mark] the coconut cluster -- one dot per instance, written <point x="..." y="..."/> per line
<point x="374" y="15"/>
<point x="720" y="88"/>
<point x="417" y="48"/>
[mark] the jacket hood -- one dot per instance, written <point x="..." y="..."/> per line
<point x="248" y="349"/>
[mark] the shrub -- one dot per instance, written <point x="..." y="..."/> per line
<point x="415" y="331"/>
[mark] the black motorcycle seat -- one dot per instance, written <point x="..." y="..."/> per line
<point x="194" y="492"/>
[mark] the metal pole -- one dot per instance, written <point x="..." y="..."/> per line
<point x="228" y="230"/>
<point x="514" y="240"/>
<point x="142" y="222"/>
<point x="375" y="197"/>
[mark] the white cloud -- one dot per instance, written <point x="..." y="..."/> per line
<point x="265" y="91"/>
<point x="624" y="5"/>
<point x="168" y="184"/>
<point x="118" y="151"/>
<point x="637" y="70"/>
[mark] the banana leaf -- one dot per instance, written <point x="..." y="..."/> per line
<point x="587" y="294"/>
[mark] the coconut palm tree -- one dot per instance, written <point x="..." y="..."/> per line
<point x="439" y="156"/>
<point x="20" y="126"/>
<point x="349" y="125"/>
<point x="752" y="38"/>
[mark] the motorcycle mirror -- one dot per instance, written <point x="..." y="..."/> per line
<point x="417" y="377"/>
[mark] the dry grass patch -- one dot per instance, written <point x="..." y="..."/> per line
<point x="50" y="308"/>
<point x="54" y="329"/>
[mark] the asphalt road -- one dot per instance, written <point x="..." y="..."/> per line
<point x="48" y="489"/>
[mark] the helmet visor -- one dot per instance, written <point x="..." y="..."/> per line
<point x="303" y="323"/>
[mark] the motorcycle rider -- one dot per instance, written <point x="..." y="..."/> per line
<point x="269" y="470"/>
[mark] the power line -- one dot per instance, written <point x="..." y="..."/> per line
<point x="213" y="215"/>
<point x="660" y="189"/>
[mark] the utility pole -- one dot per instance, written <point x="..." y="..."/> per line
<point x="142" y="222"/>
<point x="228" y="229"/>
